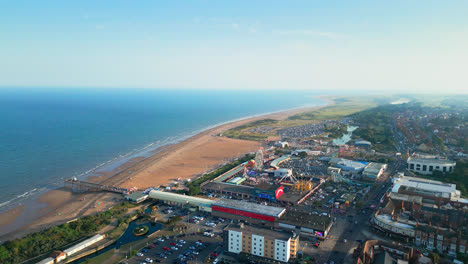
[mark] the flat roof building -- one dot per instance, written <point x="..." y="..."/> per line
<point x="424" y="187"/>
<point x="347" y="165"/>
<point x="250" y="212"/>
<point x="260" y="242"/>
<point x="179" y="199"/>
<point x="429" y="165"/>
<point x="305" y="223"/>
<point x="373" y="171"/>
<point x="136" y="197"/>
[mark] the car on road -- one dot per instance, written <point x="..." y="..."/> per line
<point x="139" y="254"/>
<point x="166" y="248"/>
<point x="316" y="245"/>
<point x="172" y="244"/>
<point x="175" y="248"/>
<point x="149" y="260"/>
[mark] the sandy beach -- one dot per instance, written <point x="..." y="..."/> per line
<point x="189" y="158"/>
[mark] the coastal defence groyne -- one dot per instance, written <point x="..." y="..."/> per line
<point x="82" y="186"/>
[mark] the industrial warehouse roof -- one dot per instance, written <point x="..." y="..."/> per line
<point x="179" y="198"/>
<point x="251" y="207"/>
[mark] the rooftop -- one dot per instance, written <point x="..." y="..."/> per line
<point x="412" y="183"/>
<point x="275" y="163"/>
<point x="388" y="220"/>
<point x="406" y="197"/>
<point x="229" y="188"/>
<point x="307" y="220"/>
<point x="229" y="173"/>
<point x="160" y="195"/>
<point x="374" y="166"/>
<point x="251" y="207"/>
<point x="268" y="233"/>
<point x="136" y="195"/>
<point x="339" y="162"/>
<point x="440" y="161"/>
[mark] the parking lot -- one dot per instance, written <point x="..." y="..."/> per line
<point x="200" y="243"/>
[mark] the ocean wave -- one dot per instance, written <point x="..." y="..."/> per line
<point x="20" y="198"/>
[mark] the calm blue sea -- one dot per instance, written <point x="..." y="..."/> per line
<point x="48" y="135"/>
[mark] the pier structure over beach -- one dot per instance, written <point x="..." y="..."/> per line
<point x="82" y="186"/>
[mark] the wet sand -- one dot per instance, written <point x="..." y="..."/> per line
<point x="189" y="158"/>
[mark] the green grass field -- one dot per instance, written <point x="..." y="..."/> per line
<point x="342" y="107"/>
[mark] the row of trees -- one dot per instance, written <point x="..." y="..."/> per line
<point x="57" y="237"/>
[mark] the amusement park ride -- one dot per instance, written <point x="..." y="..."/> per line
<point x="253" y="168"/>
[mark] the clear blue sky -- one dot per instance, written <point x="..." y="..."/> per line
<point x="317" y="45"/>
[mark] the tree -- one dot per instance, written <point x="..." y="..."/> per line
<point x="434" y="257"/>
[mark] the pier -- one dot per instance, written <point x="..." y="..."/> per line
<point x="82" y="186"/>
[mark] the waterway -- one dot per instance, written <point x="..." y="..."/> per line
<point x="346" y="137"/>
<point x="127" y="237"/>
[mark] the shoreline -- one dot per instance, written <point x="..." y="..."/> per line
<point x="189" y="157"/>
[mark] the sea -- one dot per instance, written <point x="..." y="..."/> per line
<point x="48" y="135"/>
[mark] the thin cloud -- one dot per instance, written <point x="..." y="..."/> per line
<point x="305" y="32"/>
<point x="235" y="26"/>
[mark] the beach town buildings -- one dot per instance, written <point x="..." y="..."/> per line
<point x="347" y="165"/>
<point x="375" y="251"/>
<point x="249" y="212"/>
<point x="429" y="213"/>
<point x="309" y="224"/>
<point x="259" y="242"/>
<point x="427" y="165"/>
<point x="439" y="192"/>
<point x="373" y="171"/>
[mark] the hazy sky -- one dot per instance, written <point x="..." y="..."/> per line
<point x="320" y="45"/>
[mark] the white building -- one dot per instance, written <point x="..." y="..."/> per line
<point x="424" y="165"/>
<point x="374" y="170"/>
<point x="260" y="242"/>
<point x="82" y="245"/>
<point x="425" y="187"/>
